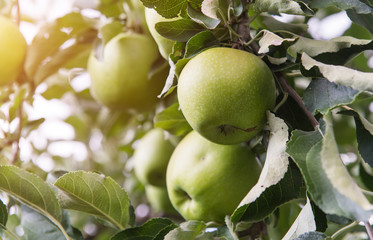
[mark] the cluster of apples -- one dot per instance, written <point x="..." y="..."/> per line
<point x="224" y="94"/>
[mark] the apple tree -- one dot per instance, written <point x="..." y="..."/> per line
<point x="187" y="119"/>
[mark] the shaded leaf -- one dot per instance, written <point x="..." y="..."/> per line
<point x="167" y="8"/>
<point x="329" y="183"/>
<point x="179" y="30"/>
<point x="364" y="135"/>
<point x="339" y="74"/>
<point x="304" y="223"/>
<point x="201" y="18"/>
<point x="200" y="42"/>
<point x="322" y="95"/>
<point x="190" y="230"/>
<point x="278" y="6"/>
<point x="94" y="194"/>
<point x="275" y="185"/>
<point x="271" y="39"/>
<point x="3" y="214"/>
<point x="153" y="229"/>
<point x="172" y="120"/>
<point x="38" y="227"/>
<point x="31" y="190"/>
<point x="357" y="5"/>
<point x="364" y="20"/>
<point x="366" y="176"/>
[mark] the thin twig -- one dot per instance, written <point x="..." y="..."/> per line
<point x="19" y="132"/>
<point x="288" y="89"/>
<point x="369" y="229"/>
<point x="342" y="230"/>
<point x="18" y="15"/>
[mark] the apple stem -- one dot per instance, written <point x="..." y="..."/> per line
<point x="289" y="90"/>
<point x="18" y="13"/>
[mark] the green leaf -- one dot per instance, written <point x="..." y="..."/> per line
<point x="278" y="6"/>
<point x="155" y="228"/>
<point x="94" y="194"/>
<point x="311" y="236"/>
<point x="179" y="30"/>
<point x="366" y="176"/>
<point x="270" y="39"/>
<point x="364" y="20"/>
<point x="322" y="95"/>
<point x="334" y="51"/>
<point x="190" y="230"/>
<point x="3" y="214"/>
<point x="172" y="119"/>
<point x="304" y="223"/>
<point x="200" y="42"/>
<point x="337" y="74"/>
<point x="357" y="5"/>
<point x="364" y="135"/>
<point x="31" y="190"/>
<point x="275" y="185"/>
<point x="328" y="181"/>
<point x="50" y="37"/>
<point x="38" y="227"/>
<point x="199" y="17"/>
<point x="167" y="8"/>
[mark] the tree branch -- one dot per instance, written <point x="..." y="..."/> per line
<point x="288" y="89"/>
<point x="369" y="229"/>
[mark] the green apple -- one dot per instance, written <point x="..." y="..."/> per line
<point x="152" y="18"/>
<point x="207" y="181"/>
<point x="158" y="199"/>
<point x="13" y="51"/>
<point x="120" y="78"/>
<point x="224" y="94"/>
<point x="151" y="158"/>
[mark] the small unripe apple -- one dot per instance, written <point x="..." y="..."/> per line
<point x="12" y="51"/>
<point x="152" y="18"/>
<point x="207" y="181"/>
<point x="120" y="80"/>
<point x="224" y="94"/>
<point x="151" y="158"/>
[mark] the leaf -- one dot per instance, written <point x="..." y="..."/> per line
<point x="166" y="8"/>
<point x="190" y="230"/>
<point x="322" y="95"/>
<point x="364" y="20"/>
<point x="94" y="194"/>
<point x="311" y="236"/>
<point x="172" y="119"/>
<point x="357" y="5"/>
<point x="31" y="190"/>
<point x="199" y="42"/>
<point x="337" y="74"/>
<point x="275" y="185"/>
<point x="210" y="8"/>
<point x="328" y="182"/>
<point x="278" y="6"/>
<point x="38" y="227"/>
<point x="271" y="39"/>
<point x="364" y="135"/>
<point x="304" y="223"/>
<point x="334" y="51"/>
<point x="201" y="18"/>
<point x="155" y="228"/>
<point x="50" y="37"/>
<point x="179" y="30"/>
<point x="3" y="214"/>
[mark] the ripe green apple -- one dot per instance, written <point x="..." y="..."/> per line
<point x="206" y="181"/>
<point x="120" y="80"/>
<point x="12" y="51"/>
<point x="164" y="44"/>
<point x="159" y="200"/>
<point x="151" y="158"/>
<point x="224" y="94"/>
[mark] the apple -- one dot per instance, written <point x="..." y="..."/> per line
<point x="13" y="48"/>
<point x="224" y="94"/>
<point x="151" y="158"/>
<point x="158" y="199"/>
<point x="152" y="18"/>
<point x="207" y="181"/>
<point x="120" y="78"/>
